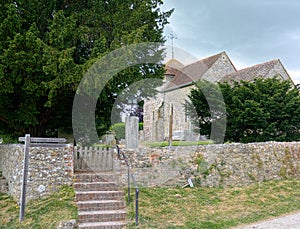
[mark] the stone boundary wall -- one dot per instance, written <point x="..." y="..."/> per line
<point x="49" y="168"/>
<point x="225" y="165"/>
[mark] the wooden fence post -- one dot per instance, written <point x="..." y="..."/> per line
<point x="24" y="181"/>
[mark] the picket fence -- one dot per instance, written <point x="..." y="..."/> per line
<point x="96" y="159"/>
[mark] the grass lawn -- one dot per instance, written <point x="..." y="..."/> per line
<point x="176" y="143"/>
<point x="39" y="214"/>
<point x="170" y="207"/>
<point x="216" y="207"/>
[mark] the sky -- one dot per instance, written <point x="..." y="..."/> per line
<point x="249" y="31"/>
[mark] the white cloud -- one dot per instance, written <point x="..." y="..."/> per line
<point x="251" y="32"/>
<point x="295" y="75"/>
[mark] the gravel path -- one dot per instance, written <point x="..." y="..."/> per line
<point x="291" y="221"/>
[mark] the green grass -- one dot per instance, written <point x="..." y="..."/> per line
<point x="103" y="146"/>
<point x="170" y="207"/>
<point x="176" y="143"/>
<point x="41" y="213"/>
<point x="216" y="207"/>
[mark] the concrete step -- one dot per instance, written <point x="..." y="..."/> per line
<point x="96" y="177"/>
<point x="96" y="186"/>
<point x="100" y="203"/>
<point x="98" y="195"/>
<point x="102" y="225"/>
<point x="94" y="205"/>
<point x="101" y="216"/>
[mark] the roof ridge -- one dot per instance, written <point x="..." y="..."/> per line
<point x="251" y="72"/>
<point x="257" y="65"/>
<point x="206" y="58"/>
<point x="215" y="55"/>
<point x="192" y="72"/>
<point x="171" y="62"/>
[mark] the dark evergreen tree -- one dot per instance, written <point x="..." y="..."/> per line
<point x="46" y="47"/>
<point x="263" y="110"/>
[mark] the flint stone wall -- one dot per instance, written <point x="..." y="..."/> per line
<point x="225" y="165"/>
<point x="49" y="168"/>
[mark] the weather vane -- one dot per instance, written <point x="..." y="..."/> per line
<point x="172" y="37"/>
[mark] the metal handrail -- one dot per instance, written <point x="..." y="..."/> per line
<point x="130" y="175"/>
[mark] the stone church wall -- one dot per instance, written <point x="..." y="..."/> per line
<point x="151" y="116"/>
<point x="157" y="114"/>
<point x="177" y="98"/>
<point x="225" y="165"/>
<point x="157" y="110"/>
<point x="221" y="67"/>
<point x="49" y="168"/>
<point x="278" y="69"/>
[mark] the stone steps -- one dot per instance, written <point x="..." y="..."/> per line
<point x="99" y="201"/>
<point x="103" y="225"/>
<point x="100" y="204"/>
<point x="101" y="216"/>
<point x="98" y="195"/>
<point x="95" y="186"/>
<point x="95" y="177"/>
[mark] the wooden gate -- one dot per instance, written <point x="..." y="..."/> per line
<point x="93" y="159"/>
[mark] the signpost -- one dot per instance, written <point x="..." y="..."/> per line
<point x="37" y="142"/>
<point x="24" y="180"/>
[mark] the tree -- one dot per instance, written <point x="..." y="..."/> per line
<point x="263" y="110"/>
<point x="206" y="109"/>
<point x="46" y="47"/>
<point x="138" y="111"/>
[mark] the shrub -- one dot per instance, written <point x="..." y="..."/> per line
<point x="141" y="126"/>
<point x="119" y="129"/>
<point x="8" y="139"/>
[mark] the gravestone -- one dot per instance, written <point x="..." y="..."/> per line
<point x="159" y="130"/>
<point x="131" y="132"/>
<point x="108" y="139"/>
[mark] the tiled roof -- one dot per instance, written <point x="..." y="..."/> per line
<point x="175" y="64"/>
<point x="250" y="73"/>
<point x="190" y="73"/>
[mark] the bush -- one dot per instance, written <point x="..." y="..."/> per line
<point x="141" y="126"/>
<point x="119" y="129"/>
<point x="8" y="139"/>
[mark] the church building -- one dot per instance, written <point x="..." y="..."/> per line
<point x="179" y="81"/>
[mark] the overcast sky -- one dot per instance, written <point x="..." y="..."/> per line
<point x="250" y="31"/>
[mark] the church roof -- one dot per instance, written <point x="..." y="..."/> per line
<point x="174" y="64"/>
<point x="250" y="73"/>
<point x="187" y="75"/>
